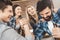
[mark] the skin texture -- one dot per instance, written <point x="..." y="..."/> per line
<point x="46" y="14"/>
<point x="7" y="13"/>
<point x="32" y="11"/>
<point x="18" y="11"/>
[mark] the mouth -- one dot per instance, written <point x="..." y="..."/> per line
<point x="47" y="18"/>
<point x="19" y="13"/>
<point x="32" y="13"/>
<point x="9" y="17"/>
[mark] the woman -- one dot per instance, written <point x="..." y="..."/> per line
<point x="17" y="15"/>
<point x="32" y="15"/>
<point x="32" y="18"/>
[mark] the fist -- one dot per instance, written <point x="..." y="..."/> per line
<point x="23" y="21"/>
<point x="56" y="32"/>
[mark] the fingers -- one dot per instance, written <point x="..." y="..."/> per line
<point x="56" y="36"/>
<point x="56" y="32"/>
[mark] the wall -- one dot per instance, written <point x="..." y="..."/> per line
<point x="56" y="3"/>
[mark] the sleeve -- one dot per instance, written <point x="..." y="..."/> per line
<point x="10" y="34"/>
<point x="38" y="31"/>
<point x="58" y="12"/>
<point x="29" y="37"/>
<point x="12" y="22"/>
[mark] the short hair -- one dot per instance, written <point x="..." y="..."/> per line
<point x="41" y="5"/>
<point x="4" y="4"/>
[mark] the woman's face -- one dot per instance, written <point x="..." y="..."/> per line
<point x="18" y="10"/>
<point x="31" y="10"/>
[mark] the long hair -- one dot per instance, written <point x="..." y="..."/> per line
<point x="30" y="16"/>
<point x="14" y="7"/>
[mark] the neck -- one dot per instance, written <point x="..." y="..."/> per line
<point x="33" y="16"/>
<point x="0" y="19"/>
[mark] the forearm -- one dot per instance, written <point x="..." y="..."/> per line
<point x="10" y="34"/>
<point x="28" y="34"/>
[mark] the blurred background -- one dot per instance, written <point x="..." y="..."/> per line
<point x="24" y="3"/>
<point x="55" y="2"/>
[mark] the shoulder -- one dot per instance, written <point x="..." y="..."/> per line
<point x="41" y="22"/>
<point x="58" y="12"/>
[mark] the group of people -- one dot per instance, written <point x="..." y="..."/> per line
<point x="40" y="23"/>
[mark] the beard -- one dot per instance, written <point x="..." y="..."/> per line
<point x="48" y="18"/>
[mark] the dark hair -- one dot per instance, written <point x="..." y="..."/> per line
<point x="14" y="9"/>
<point x="4" y="4"/>
<point x="41" y="5"/>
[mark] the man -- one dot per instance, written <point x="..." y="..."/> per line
<point x="6" y="32"/>
<point x="48" y="20"/>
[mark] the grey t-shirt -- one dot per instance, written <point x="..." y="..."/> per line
<point x="7" y="33"/>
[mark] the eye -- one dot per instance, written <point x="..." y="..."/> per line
<point x="10" y="11"/>
<point x="29" y="10"/>
<point x="41" y="14"/>
<point x="47" y="13"/>
<point x="18" y="9"/>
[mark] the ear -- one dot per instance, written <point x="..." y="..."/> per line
<point x="0" y="11"/>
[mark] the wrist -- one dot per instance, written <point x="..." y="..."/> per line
<point x="26" y="27"/>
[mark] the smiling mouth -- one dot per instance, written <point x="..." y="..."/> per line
<point x="9" y="17"/>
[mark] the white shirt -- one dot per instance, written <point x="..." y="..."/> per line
<point x="50" y="26"/>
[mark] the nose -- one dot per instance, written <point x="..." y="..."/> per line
<point x="45" y="16"/>
<point x="20" y="11"/>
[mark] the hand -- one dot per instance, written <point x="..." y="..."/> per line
<point x="23" y="21"/>
<point x="17" y="21"/>
<point x="56" y="32"/>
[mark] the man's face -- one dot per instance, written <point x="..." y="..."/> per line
<point x="46" y="14"/>
<point x="7" y="13"/>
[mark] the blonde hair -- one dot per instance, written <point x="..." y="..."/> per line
<point x="36" y="16"/>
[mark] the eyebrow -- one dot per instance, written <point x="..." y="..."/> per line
<point x="47" y="12"/>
